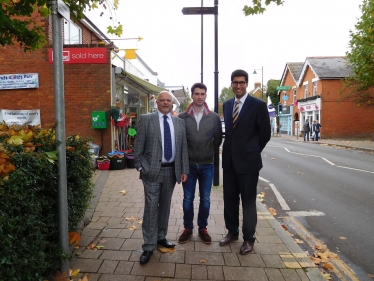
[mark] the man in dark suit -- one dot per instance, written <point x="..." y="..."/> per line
<point x="161" y="156"/>
<point x="247" y="127"/>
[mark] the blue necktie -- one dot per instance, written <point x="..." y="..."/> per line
<point x="167" y="139"/>
<point x="235" y="113"/>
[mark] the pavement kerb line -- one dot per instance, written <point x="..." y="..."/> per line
<point x="312" y="272"/>
<point x="342" y="270"/>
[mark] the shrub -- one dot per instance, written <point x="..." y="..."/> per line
<point x="28" y="199"/>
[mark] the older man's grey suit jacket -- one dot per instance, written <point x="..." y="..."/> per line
<point x="148" y="147"/>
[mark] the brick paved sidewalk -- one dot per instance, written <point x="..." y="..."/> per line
<point x="275" y="257"/>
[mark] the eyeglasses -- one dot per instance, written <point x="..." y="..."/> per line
<point x="236" y="83"/>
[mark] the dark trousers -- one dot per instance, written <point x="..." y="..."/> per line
<point x="235" y="187"/>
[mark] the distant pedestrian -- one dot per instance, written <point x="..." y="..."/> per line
<point x="316" y="129"/>
<point x="306" y="129"/>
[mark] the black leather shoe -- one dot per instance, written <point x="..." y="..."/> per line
<point x="145" y="257"/>
<point x="247" y="247"/>
<point x="165" y="243"/>
<point x="228" y="239"/>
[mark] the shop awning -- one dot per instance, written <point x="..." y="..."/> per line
<point x="149" y="87"/>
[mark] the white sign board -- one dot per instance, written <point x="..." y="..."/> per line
<point x="19" y="81"/>
<point x="20" y="117"/>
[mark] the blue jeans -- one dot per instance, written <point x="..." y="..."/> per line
<point x="306" y="135"/>
<point x="203" y="174"/>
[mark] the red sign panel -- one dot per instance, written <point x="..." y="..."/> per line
<point x="81" y="55"/>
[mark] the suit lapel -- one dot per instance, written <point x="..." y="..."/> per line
<point x="156" y="125"/>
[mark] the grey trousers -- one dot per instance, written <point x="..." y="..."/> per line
<point x="157" y="201"/>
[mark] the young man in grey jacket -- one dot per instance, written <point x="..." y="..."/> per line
<point x="204" y="136"/>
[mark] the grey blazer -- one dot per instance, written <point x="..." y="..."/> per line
<point x="148" y="147"/>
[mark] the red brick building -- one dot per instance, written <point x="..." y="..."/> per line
<point x="89" y="85"/>
<point x="314" y="94"/>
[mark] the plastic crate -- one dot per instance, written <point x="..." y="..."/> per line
<point x="103" y="165"/>
<point x="117" y="163"/>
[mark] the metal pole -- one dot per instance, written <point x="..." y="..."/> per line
<point x="202" y="44"/>
<point x="216" y="153"/>
<point x="58" y="73"/>
<point x="262" y="82"/>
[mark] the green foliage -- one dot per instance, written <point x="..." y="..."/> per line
<point x="29" y="207"/>
<point x="272" y="91"/>
<point x="183" y="106"/>
<point x="259" y="7"/>
<point x="226" y="94"/>
<point x="360" y="87"/>
<point x="18" y="20"/>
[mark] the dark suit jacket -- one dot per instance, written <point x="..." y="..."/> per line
<point x="243" y="145"/>
<point x="148" y="147"/>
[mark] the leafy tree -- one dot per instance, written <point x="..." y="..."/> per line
<point x="272" y="91"/>
<point x="226" y="93"/>
<point x="360" y="87"/>
<point x="183" y="106"/>
<point x="259" y="7"/>
<point x="19" y="20"/>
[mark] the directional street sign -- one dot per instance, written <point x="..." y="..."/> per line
<point x="200" y="10"/>
<point x="283" y="88"/>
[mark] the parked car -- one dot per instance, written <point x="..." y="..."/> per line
<point x="223" y="127"/>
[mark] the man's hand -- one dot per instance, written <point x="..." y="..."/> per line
<point x="184" y="177"/>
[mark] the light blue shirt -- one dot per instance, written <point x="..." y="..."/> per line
<point x="170" y="121"/>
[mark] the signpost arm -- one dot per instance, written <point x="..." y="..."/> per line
<point x="216" y="153"/>
<point x="58" y="70"/>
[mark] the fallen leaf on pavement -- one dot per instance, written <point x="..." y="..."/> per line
<point x="284" y="227"/>
<point x="166" y="250"/>
<point x="92" y="247"/>
<point x="320" y="248"/>
<point x="315" y="260"/>
<point x="261" y="200"/>
<point x="370" y="275"/>
<point x="203" y="261"/>
<point x="298" y="241"/>
<point x="74" y="238"/>
<point x="74" y="272"/>
<point x="99" y="247"/>
<point x="322" y="256"/>
<point x="272" y="158"/>
<point x="132" y="218"/>
<point x="123" y="192"/>
<point x="133" y="227"/>
<point x="332" y="255"/>
<point x="140" y="222"/>
<point x="328" y="266"/>
<point x="272" y="211"/>
<point x="326" y="276"/>
<point x="61" y="276"/>
<point x="343" y="238"/>
<point x="84" y="278"/>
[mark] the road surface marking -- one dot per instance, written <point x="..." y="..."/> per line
<point x="355" y="169"/>
<point x="306" y="214"/>
<point x="262" y="179"/>
<point x="281" y="201"/>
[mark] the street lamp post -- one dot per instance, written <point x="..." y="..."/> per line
<point x="262" y="80"/>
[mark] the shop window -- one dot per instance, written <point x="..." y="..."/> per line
<point x="305" y="91"/>
<point x="314" y="88"/>
<point x="294" y="94"/>
<point x="72" y="33"/>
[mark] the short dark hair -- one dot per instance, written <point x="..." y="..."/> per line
<point x="198" y="85"/>
<point x="239" y="72"/>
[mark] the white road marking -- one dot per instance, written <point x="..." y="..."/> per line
<point x="355" y="169"/>
<point x="281" y="201"/>
<point x="262" y="179"/>
<point x="306" y="214"/>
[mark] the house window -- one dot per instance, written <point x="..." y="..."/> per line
<point x="314" y="88"/>
<point x="305" y="91"/>
<point x="294" y="95"/>
<point x="72" y="33"/>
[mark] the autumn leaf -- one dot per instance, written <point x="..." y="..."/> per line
<point x="298" y="241"/>
<point x="16" y="140"/>
<point x="84" y="278"/>
<point x="74" y="272"/>
<point x="326" y="276"/>
<point x="74" y="238"/>
<point x="123" y="192"/>
<point x="132" y="219"/>
<point x="332" y="255"/>
<point x="315" y="260"/>
<point x="140" y="222"/>
<point x="343" y="238"/>
<point x="272" y="211"/>
<point x="61" y="276"/>
<point x="203" y="261"/>
<point x="284" y="227"/>
<point x="91" y="247"/>
<point x="166" y="250"/>
<point x="133" y="227"/>
<point x="320" y="248"/>
<point x="99" y="247"/>
<point x="328" y="266"/>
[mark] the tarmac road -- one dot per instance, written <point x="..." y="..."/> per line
<point x="334" y="187"/>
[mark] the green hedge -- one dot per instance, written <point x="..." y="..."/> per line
<point x="29" y="205"/>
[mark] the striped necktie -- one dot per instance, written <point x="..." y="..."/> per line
<point x="167" y="139"/>
<point x="235" y="113"/>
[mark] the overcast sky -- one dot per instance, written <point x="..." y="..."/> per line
<point x="288" y="33"/>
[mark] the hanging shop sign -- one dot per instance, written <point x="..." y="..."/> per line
<point x="81" y="55"/>
<point x="19" y="81"/>
<point x="20" y="117"/>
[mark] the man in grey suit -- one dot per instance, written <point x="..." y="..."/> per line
<point x="247" y="132"/>
<point x="161" y="156"/>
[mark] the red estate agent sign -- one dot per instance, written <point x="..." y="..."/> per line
<point x="81" y="55"/>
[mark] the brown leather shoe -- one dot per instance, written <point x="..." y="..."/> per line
<point x="247" y="247"/>
<point x="228" y="239"/>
